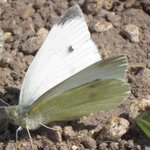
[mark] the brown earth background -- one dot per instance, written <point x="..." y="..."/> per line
<point x="25" y="24"/>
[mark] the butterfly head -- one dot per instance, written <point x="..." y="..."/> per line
<point x="16" y="114"/>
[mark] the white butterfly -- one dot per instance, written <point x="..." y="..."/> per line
<point x="67" y="78"/>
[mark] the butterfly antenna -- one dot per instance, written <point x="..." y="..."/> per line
<point x="4" y="102"/>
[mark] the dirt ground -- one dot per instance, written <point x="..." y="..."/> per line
<point x="25" y="24"/>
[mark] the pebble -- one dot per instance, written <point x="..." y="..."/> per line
<point x="122" y="144"/>
<point x="130" y="144"/>
<point x="146" y="6"/>
<point x="89" y="142"/>
<point x="68" y="132"/>
<point x="7" y="35"/>
<point x="3" y="1"/>
<point x="103" y="146"/>
<point x="31" y="45"/>
<point x="138" y="106"/>
<point x="118" y="6"/>
<point x="102" y="26"/>
<point x="28" y="29"/>
<point x="57" y="134"/>
<point x="114" y="146"/>
<point x="7" y="59"/>
<point x="131" y="32"/>
<point x="92" y="6"/>
<point x="74" y="147"/>
<point x="1" y="44"/>
<point x="42" y="32"/>
<point x="113" y="18"/>
<point x="38" y="21"/>
<point x="114" y="128"/>
<point x="25" y="11"/>
<point x="10" y="146"/>
<point x="35" y="42"/>
<point x="1" y="145"/>
<point x="108" y="4"/>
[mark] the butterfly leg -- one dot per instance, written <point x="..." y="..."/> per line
<point x="19" y="129"/>
<point x="29" y="136"/>
<point x="49" y="127"/>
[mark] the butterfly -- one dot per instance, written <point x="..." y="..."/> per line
<point x="68" y="78"/>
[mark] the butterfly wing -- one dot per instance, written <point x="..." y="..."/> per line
<point x="98" y="87"/>
<point x="67" y="50"/>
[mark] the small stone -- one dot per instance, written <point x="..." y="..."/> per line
<point x="130" y="144"/>
<point x="68" y="132"/>
<point x="103" y="146"/>
<point x="93" y="6"/>
<point x="28" y="29"/>
<point x="56" y="131"/>
<point x="17" y="30"/>
<point x="146" y="6"/>
<point x="34" y="43"/>
<point x="89" y="142"/>
<point x="38" y="21"/>
<point x="42" y="32"/>
<point x="25" y="11"/>
<point x="131" y="32"/>
<point x="7" y="35"/>
<point x="1" y="145"/>
<point x="103" y="13"/>
<point x="138" y="147"/>
<point x="1" y="43"/>
<point x="148" y="55"/>
<point x="138" y="106"/>
<point x="39" y="3"/>
<point x="114" y="146"/>
<point x="122" y="144"/>
<point x="74" y="147"/>
<point x="113" y="18"/>
<point x="9" y="146"/>
<point x="108" y="4"/>
<point x="3" y="1"/>
<point x="62" y="146"/>
<point x="114" y="128"/>
<point x="7" y="59"/>
<point x="102" y="26"/>
<point x="73" y="2"/>
<point x="118" y="6"/>
<point x="105" y="53"/>
<point x="31" y="45"/>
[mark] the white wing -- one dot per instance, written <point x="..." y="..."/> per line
<point x="67" y="50"/>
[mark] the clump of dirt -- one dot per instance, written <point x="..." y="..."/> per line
<point x="25" y="25"/>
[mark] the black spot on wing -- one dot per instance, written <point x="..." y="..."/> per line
<point x="70" y="49"/>
<point x="70" y="14"/>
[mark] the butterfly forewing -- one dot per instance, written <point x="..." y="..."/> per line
<point x="67" y="50"/>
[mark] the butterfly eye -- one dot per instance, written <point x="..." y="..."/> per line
<point x="70" y="49"/>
